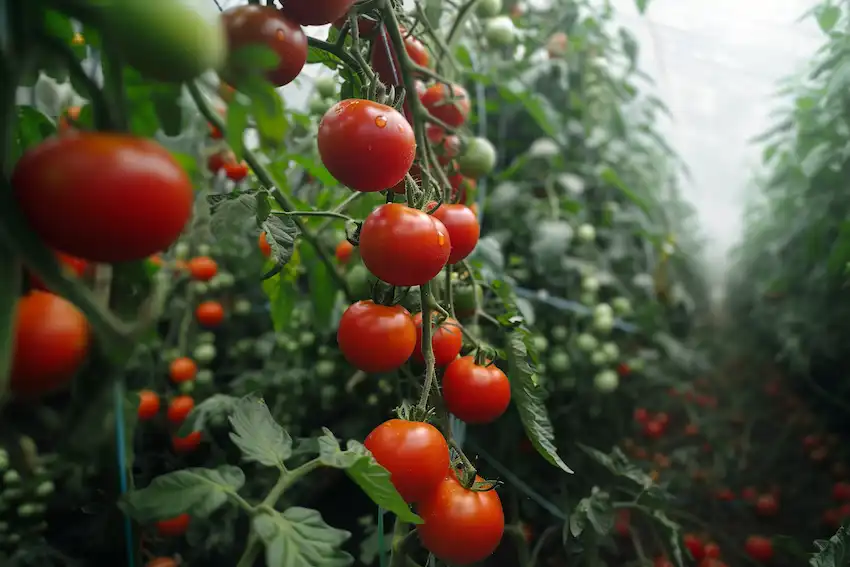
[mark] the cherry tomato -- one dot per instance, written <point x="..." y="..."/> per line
<point x="557" y="45"/>
<point x="461" y="526"/>
<point x="449" y="104"/>
<point x="209" y="313"/>
<point x="365" y="145"/>
<point x="446" y="340"/>
<point x="220" y="160"/>
<point x="725" y="495"/>
<point x="662" y="418"/>
<point x="759" y="548"/>
<point x="841" y="491"/>
<point x="161" y="562"/>
<point x="50" y="344"/>
<point x="691" y="430"/>
<point x="179" y="408"/>
<point x="766" y="505"/>
<point x="173" y="527"/>
<point x="622" y="522"/>
<point x="694" y="545"/>
<point x="67" y="119"/>
<point x="446" y="147"/>
<point x="263" y="25"/>
<point x="653" y="429"/>
<point x="203" y="268"/>
<point x="381" y="62"/>
<point x="711" y="550"/>
<point x="376" y="338"/>
<point x="316" y="12"/>
<point x="711" y="562"/>
<point x="404" y="246"/>
<point x="415" y="453"/>
<point x="103" y="197"/>
<point x="463" y="228"/>
<point x="343" y="251"/>
<point x="236" y="171"/>
<point x="215" y="133"/>
<point x="641" y="415"/>
<point x="148" y="405"/>
<point x="475" y="393"/>
<point x="263" y="244"/>
<point x="186" y="444"/>
<point x="72" y="266"/>
<point x="182" y="369"/>
<point x="461" y="187"/>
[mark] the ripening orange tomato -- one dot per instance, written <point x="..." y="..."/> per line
<point x="148" y="404"/>
<point x="343" y="251"/>
<point x="176" y="526"/>
<point x="182" y="369"/>
<point x="263" y="243"/>
<point x="179" y="408"/>
<point x="203" y="268"/>
<point x="210" y="313"/>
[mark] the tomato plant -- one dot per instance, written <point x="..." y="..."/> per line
<point x="376" y="338"/>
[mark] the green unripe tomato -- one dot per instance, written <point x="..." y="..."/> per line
<point x="602" y="310"/>
<point x="225" y="280"/>
<point x="46" y="488"/>
<point x="612" y="351"/>
<point x="478" y="158"/>
<point x="598" y="358"/>
<point x="358" y="282"/>
<point x="603" y="324"/>
<point x="560" y="333"/>
<point x="606" y="381"/>
<point x="206" y="338"/>
<point x="325" y="369"/>
<point x="500" y="31"/>
<point x="586" y="342"/>
<point x="319" y="106"/>
<point x="11" y="477"/>
<point x="200" y="288"/>
<point x="590" y="284"/>
<point x="622" y="306"/>
<point x="587" y="298"/>
<point x="204" y="376"/>
<point x="181" y="251"/>
<point x="281" y="340"/>
<point x="204" y="353"/>
<point x="559" y="361"/>
<point x="204" y="250"/>
<point x="307" y="339"/>
<point x="168" y="40"/>
<point x="187" y="387"/>
<point x="325" y="86"/>
<point x="242" y="307"/>
<point x="488" y="8"/>
<point x="586" y="233"/>
<point x="540" y="343"/>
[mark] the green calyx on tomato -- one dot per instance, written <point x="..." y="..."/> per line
<point x="478" y="158"/>
<point x="366" y="145"/>
<point x="167" y="40"/>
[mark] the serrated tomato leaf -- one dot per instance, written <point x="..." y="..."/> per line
<point x="529" y="402"/>
<point x="834" y="552"/>
<point x="361" y="467"/>
<point x="299" y="537"/>
<point x="260" y="438"/>
<point x="194" y="491"/>
<point x="217" y="405"/>
<point x="281" y="234"/>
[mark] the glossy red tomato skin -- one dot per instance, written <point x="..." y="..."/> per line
<point x="315" y="12"/>
<point x="209" y="313"/>
<point x="415" y="453"/>
<point x="461" y="526"/>
<point x="416" y="50"/>
<point x="149" y="404"/>
<point x="175" y="526"/>
<point x="759" y="548"/>
<point x="711" y="550"/>
<point x="474" y="393"/>
<point x="454" y="114"/>
<point x="463" y="228"/>
<point x="186" y="444"/>
<point x="263" y="25"/>
<point x="365" y="145"/>
<point x="446" y="341"/>
<point x="51" y="341"/>
<point x="103" y="197"/>
<point x="404" y="246"/>
<point x="376" y="338"/>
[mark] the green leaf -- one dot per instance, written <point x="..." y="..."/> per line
<point x="817" y="158"/>
<point x="281" y="234"/>
<point x="832" y="553"/>
<point x="237" y="121"/>
<point x="359" y="464"/>
<point x="641" y="5"/>
<point x="488" y="258"/>
<point x="233" y="218"/>
<point x="282" y="294"/>
<point x="596" y="512"/>
<point x="314" y="168"/>
<point x="299" y="537"/>
<point x="32" y="128"/>
<point x="214" y="407"/>
<point x="195" y="491"/>
<point x="260" y="438"/>
<point x="619" y="465"/>
<point x="317" y="55"/>
<point x="674" y="538"/>
<point x="267" y="109"/>
<point x="528" y="398"/>
<point x="827" y="17"/>
<point x="323" y="291"/>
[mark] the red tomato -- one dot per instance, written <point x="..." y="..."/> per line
<point x="315" y="12"/>
<point x="72" y="266"/>
<point x="172" y="527"/>
<point x="446" y="147"/>
<point x="161" y="562"/>
<point x="182" y="369"/>
<point x="381" y="62"/>
<point x="653" y="429"/>
<point x="641" y="415"/>
<point x="264" y="26"/>
<point x="376" y="338"/>
<point x="759" y="548"/>
<point x="215" y="133"/>
<point x="446" y="341"/>
<point x="766" y="505"/>
<point x="263" y="243"/>
<point x="461" y="187"/>
<point x="236" y="171"/>
<point x="50" y="344"/>
<point x="404" y="246"/>
<point x="186" y="444"/>
<point x="623" y="369"/>
<point x="437" y="100"/>
<point x="831" y="518"/>
<point x="622" y="522"/>
<point x="148" y="405"/>
<point x="694" y="545"/>
<point x="662" y="418"/>
<point x="203" y="268"/>
<point x="103" y="197"/>
<point x="179" y="408"/>
<point x="461" y="526"/>
<point x="811" y="442"/>
<point x="463" y="228"/>
<point x="209" y="313"/>
<point x="473" y="393"/>
<point x="415" y="453"/>
<point x="220" y="160"/>
<point x="725" y="495"/>
<point x="711" y="550"/>
<point x="662" y="561"/>
<point x="343" y="251"/>
<point x="365" y="145"/>
<point x="841" y="491"/>
<point x="711" y="562"/>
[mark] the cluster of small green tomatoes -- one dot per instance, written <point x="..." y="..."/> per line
<point x="23" y="500"/>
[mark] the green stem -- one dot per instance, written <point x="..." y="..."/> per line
<point x="333" y="50"/>
<point x="427" y="347"/>
<point x="329" y="214"/>
<point x="266" y="179"/>
<point x="462" y="14"/>
<point x="449" y="291"/>
<point x="10" y="287"/>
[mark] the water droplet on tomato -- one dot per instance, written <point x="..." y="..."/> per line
<point x="441" y="238"/>
<point x="380" y="121"/>
<point x="280" y="35"/>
